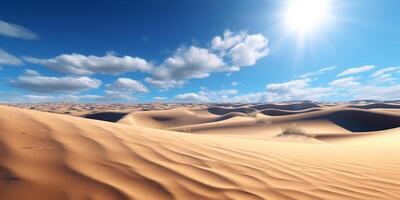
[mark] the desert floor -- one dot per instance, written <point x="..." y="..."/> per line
<point x="160" y="151"/>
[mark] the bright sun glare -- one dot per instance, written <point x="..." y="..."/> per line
<point x="306" y="15"/>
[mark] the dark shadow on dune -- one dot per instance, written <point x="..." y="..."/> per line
<point x="376" y="105"/>
<point x="223" y="111"/>
<point x="295" y="106"/>
<point x="106" y="116"/>
<point x="246" y="110"/>
<point x="363" y="121"/>
<point x="228" y="116"/>
<point x="275" y="112"/>
<point x="162" y="119"/>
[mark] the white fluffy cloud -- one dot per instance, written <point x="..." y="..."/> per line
<point x="247" y="52"/>
<point x="205" y="95"/>
<point x="58" y="98"/>
<point x="241" y="48"/>
<point x="345" y="82"/>
<point x="296" y="90"/>
<point x="83" y="65"/>
<point x="191" y="97"/>
<point x="117" y="94"/>
<point x="227" y="41"/>
<point x="227" y="53"/>
<point x="356" y="70"/>
<point x="32" y="80"/>
<point x="16" y="31"/>
<point x="165" y="84"/>
<point x="160" y="98"/>
<point x="124" y="88"/>
<point x="186" y="63"/>
<point x="8" y="59"/>
<point x="127" y="84"/>
<point x="254" y="97"/>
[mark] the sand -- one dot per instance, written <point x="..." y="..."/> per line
<point x="202" y="152"/>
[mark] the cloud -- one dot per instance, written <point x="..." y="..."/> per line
<point x="58" y="98"/>
<point x="383" y="71"/>
<point x="227" y="41"/>
<point x="385" y="75"/>
<point x="296" y="90"/>
<point x="317" y="73"/>
<point x="31" y="80"/>
<point x="124" y="88"/>
<point x="254" y="97"/>
<point x="165" y="84"/>
<point x="247" y="52"/>
<point x="160" y="98"/>
<point x="377" y="92"/>
<point x="227" y="53"/>
<point x="84" y="65"/>
<point x="241" y="48"/>
<point x="127" y="84"/>
<point x="16" y="31"/>
<point x="345" y="82"/>
<point x="191" y="97"/>
<point x="205" y="95"/>
<point x="117" y="94"/>
<point x="234" y="83"/>
<point x="186" y="63"/>
<point x="356" y="70"/>
<point x="8" y="59"/>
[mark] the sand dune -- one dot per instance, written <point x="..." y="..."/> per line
<point x="54" y="156"/>
<point x="315" y="122"/>
<point x="175" y="117"/>
<point x="376" y="105"/>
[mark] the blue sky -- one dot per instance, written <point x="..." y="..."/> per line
<point x="196" y="51"/>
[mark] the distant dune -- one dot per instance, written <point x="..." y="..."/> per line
<point x="376" y="105"/>
<point x="201" y="153"/>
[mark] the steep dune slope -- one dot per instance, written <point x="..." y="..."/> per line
<point x="51" y="156"/>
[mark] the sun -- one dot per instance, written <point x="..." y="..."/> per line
<point x="306" y="15"/>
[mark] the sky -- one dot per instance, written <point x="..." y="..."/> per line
<point x="199" y="51"/>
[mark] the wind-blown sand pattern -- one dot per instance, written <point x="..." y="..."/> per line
<point x="202" y="153"/>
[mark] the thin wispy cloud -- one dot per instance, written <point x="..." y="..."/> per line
<point x="317" y="73"/>
<point x="8" y="59"/>
<point x="16" y="31"/>
<point x="356" y="70"/>
<point x="345" y="82"/>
